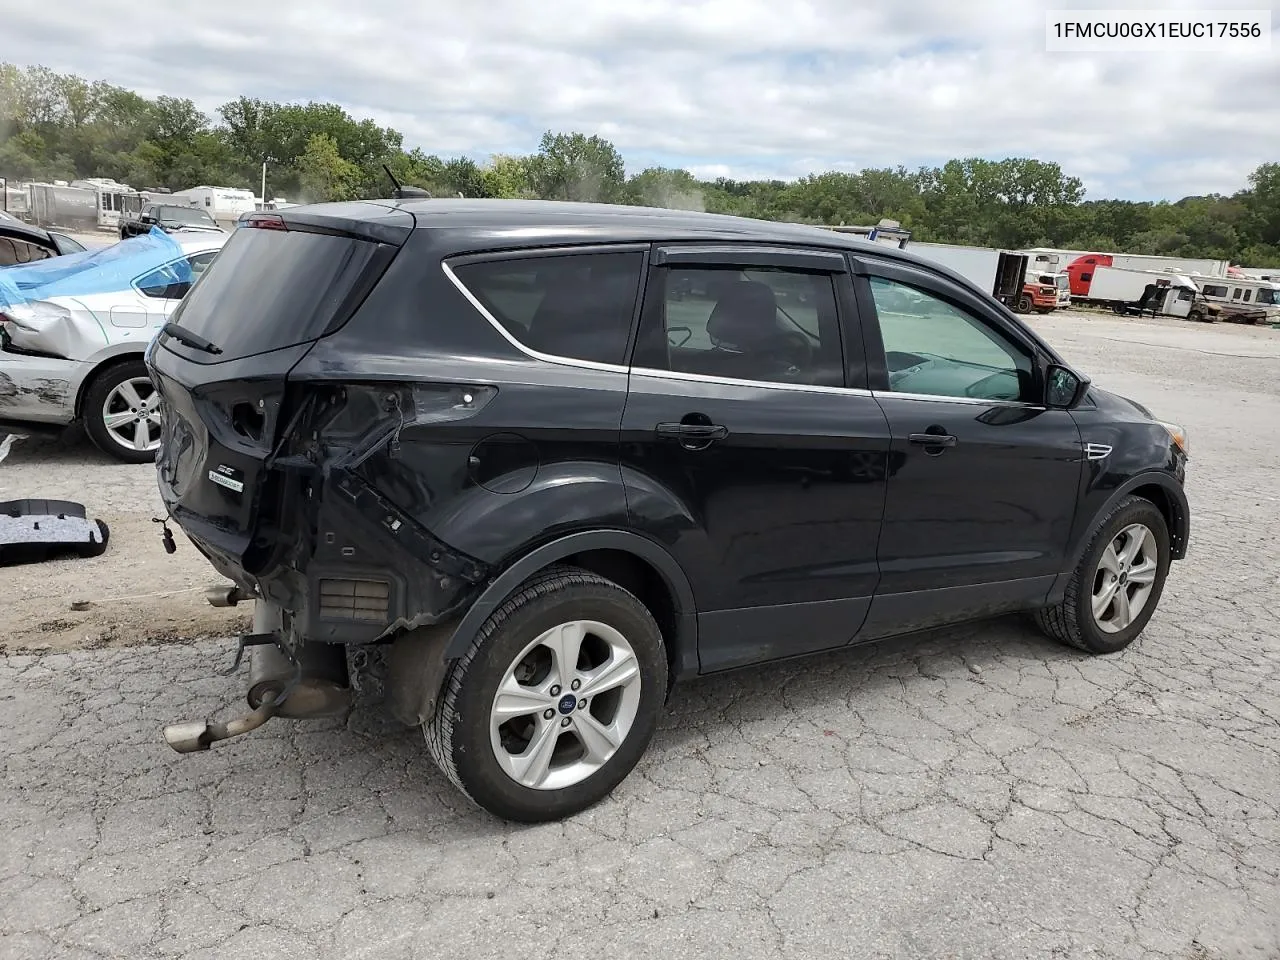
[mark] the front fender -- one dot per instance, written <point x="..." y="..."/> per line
<point x="1179" y="522"/>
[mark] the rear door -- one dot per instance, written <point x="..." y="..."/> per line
<point x="980" y="505"/>
<point x="753" y="451"/>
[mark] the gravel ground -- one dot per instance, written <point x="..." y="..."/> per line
<point x="980" y="792"/>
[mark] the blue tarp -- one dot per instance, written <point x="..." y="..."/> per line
<point x="93" y="271"/>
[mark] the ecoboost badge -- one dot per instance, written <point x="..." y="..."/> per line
<point x="228" y="477"/>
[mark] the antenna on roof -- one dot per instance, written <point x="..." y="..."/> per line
<point x="402" y="192"/>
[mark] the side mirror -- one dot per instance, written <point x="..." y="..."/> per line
<point x="1063" y="389"/>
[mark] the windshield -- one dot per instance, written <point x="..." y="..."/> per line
<point x="270" y="289"/>
<point x="1269" y="296"/>
<point x="184" y="215"/>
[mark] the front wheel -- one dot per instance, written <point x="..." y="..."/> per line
<point x="1023" y="305"/>
<point x="556" y="700"/>
<point x="1117" y="583"/>
<point x="122" y="412"/>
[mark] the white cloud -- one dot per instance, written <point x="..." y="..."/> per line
<point x="740" y="87"/>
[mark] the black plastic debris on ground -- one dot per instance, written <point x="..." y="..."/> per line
<point x="35" y="530"/>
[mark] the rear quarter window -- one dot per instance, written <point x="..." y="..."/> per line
<point x="269" y="289"/>
<point x="576" y="306"/>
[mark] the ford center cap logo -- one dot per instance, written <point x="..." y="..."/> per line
<point x="567" y="703"/>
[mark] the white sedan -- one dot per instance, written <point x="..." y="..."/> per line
<point x="79" y="357"/>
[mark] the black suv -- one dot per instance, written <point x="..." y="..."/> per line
<point x="168" y="217"/>
<point x="522" y="465"/>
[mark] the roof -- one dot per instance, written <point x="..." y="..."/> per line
<point x="24" y="231"/>
<point x="475" y="225"/>
<point x="659" y="222"/>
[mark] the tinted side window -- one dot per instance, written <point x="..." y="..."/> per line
<point x="170" y="282"/>
<point x="937" y="349"/>
<point x="173" y="280"/>
<point x="1211" y="290"/>
<point x="746" y="323"/>
<point x="578" y="306"/>
<point x="13" y="251"/>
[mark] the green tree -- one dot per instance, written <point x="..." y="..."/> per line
<point x="323" y="173"/>
<point x="665" y="187"/>
<point x="573" y="166"/>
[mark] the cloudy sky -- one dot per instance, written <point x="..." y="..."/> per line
<point x="741" y="88"/>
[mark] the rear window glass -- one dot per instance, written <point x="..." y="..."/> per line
<point x="269" y="289"/>
<point x="184" y="215"/>
<point x="578" y="305"/>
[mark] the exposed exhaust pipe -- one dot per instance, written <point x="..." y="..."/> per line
<point x="314" y="685"/>
<point x="200" y="734"/>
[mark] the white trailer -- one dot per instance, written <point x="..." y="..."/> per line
<point x="1000" y="273"/>
<point x="1137" y="291"/>
<point x="225" y="204"/>
<point x="1047" y="259"/>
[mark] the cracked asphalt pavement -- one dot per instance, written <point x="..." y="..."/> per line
<point x="979" y="792"/>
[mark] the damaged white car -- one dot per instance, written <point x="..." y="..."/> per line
<point x="73" y="331"/>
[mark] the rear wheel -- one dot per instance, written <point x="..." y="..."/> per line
<point x="122" y="412"/>
<point x="1117" y="583"/>
<point x="556" y="700"/>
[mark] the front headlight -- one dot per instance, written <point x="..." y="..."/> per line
<point x="1179" y="436"/>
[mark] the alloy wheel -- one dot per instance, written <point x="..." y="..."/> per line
<point x="565" y="705"/>
<point x="1124" y="578"/>
<point x="131" y="414"/>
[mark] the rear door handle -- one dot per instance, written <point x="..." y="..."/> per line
<point x="692" y="436"/>
<point x="933" y="439"/>
<point x="693" y="431"/>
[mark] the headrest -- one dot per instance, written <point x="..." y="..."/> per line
<point x="745" y="316"/>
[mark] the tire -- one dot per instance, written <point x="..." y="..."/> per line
<point x="463" y="736"/>
<point x="1072" y="621"/>
<point x="1023" y="304"/>
<point x="96" y="397"/>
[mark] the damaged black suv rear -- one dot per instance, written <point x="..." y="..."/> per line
<point x="522" y="465"/>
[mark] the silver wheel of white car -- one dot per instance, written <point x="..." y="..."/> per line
<point x="131" y="414"/>
<point x="122" y="412"/>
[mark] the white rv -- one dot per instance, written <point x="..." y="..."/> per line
<point x="1242" y="292"/>
<point x="225" y="204"/>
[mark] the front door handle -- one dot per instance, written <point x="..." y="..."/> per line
<point x="692" y="436"/>
<point x="934" y="443"/>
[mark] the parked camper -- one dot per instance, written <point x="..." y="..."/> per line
<point x="225" y="204"/>
<point x="1242" y="292"/>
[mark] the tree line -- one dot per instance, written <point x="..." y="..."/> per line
<point x="60" y="126"/>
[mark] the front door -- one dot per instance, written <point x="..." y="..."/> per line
<point x="978" y="514"/>
<point x="746" y="455"/>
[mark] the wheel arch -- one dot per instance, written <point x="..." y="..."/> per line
<point x="1158" y="488"/>
<point x="100" y="365"/>
<point x="634" y="562"/>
